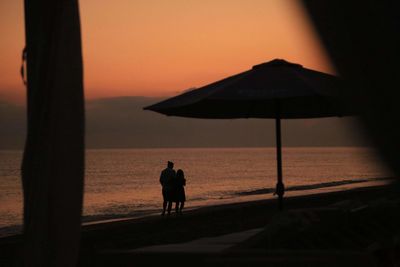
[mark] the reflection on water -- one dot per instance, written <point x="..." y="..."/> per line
<point x="124" y="182"/>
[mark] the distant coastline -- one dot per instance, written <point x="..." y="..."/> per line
<point x="209" y="147"/>
<point x="121" y="122"/>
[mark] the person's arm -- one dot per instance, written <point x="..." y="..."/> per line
<point x="161" y="178"/>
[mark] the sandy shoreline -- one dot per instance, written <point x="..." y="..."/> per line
<point x="210" y="221"/>
<point x="247" y="196"/>
<point x="197" y="223"/>
<point x="205" y="221"/>
<point x="260" y="195"/>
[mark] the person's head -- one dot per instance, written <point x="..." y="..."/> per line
<point x="179" y="173"/>
<point x="170" y="164"/>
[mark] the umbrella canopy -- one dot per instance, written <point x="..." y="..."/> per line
<point x="276" y="89"/>
<point x="268" y="90"/>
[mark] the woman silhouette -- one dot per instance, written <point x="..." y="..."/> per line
<point x="180" y="191"/>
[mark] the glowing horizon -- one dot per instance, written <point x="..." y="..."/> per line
<point x="160" y="48"/>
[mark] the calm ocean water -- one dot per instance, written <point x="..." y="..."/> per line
<point x="124" y="182"/>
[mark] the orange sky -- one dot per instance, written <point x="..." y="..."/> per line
<point x="161" y="47"/>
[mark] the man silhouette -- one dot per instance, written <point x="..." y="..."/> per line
<point x="167" y="179"/>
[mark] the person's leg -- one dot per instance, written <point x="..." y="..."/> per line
<point x="182" y="205"/>
<point x="176" y="206"/>
<point x="169" y="207"/>
<point x="165" y="202"/>
<point x="164" y="207"/>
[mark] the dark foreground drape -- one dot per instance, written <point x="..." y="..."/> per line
<point x="363" y="40"/>
<point x="53" y="163"/>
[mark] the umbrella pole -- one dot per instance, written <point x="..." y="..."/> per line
<point x="279" y="185"/>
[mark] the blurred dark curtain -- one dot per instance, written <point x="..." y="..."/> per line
<point x="53" y="163"/>
<point x="363" y="41"/>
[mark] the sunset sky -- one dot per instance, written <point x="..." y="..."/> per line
<point x="162" y="47"/>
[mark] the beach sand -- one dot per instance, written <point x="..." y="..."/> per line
<point x="300" y="231"/>
<point x="306" y="218"/>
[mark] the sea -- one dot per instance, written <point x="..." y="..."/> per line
<point x="124" y="183"/>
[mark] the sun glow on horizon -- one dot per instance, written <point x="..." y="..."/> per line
<point x="160" y="48"/>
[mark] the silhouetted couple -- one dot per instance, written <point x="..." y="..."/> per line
<point x="173" y="188"/>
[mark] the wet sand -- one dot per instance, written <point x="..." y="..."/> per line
<point x="193" y="224"/>
<point x="209" y="222"/>
<point x="213" y="220"/>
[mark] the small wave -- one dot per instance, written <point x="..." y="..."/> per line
<point x="112" y="216"/>
<point x="10" y="230"/>
<point x="197" y="198"/>
<point x="310" y="186"/>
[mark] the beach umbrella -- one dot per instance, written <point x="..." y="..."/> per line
<point x="277" y="89"/>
